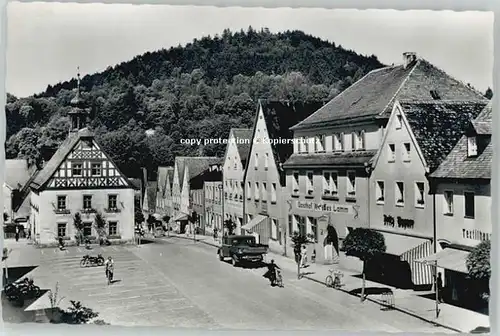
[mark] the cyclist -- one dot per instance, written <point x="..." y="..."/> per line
<point x="109" y="264"/>
<point x="271" y="271"/>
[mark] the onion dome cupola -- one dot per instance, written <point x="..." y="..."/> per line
<point x="79" y="113"/>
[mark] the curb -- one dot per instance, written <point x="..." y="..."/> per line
<point x="407" y="312"/>
<point x="404" y="311"/>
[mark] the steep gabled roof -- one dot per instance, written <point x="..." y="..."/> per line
<point x="17" y="173"/>
<point x="373" y="96"/>
<point x="60" y="155"/>
<point x="163" y="173"/>
<point x="136" y="183"/>
<point x="458" y="165"/>
<point x="196" y="165"/>
<point x="439" y="125"/>
<point x="243" y="138"/>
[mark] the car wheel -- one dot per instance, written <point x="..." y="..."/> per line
<point x="221" y="256"/>
<point x="234" y="261"/>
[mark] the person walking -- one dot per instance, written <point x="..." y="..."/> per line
<point x="109" y="264"/>
<point x="17" y="233"/>
<point x="439" y="285"/>
<point x="303" y="256"/>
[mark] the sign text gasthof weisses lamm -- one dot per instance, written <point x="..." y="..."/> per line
<point x="314" y="206"/>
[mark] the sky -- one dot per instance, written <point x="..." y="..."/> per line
<point x="47" y="41"/>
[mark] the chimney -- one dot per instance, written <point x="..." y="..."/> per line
<point x="409" y="58"/>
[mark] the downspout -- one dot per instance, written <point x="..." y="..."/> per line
<point x="368" y="172"/>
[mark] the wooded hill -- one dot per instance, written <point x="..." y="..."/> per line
<point x="199" y="90"/>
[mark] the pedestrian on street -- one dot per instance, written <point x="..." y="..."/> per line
<point x="17" y="233"/>
<point x="215" y="233"/>
<point x="439" y="285"/>
<point x="109" y="264"/>
<point x="303" y="256"/>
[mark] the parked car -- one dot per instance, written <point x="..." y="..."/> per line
<point x="241" y="249"/>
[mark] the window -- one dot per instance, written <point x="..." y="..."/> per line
<point x="351" y="184"/>
<point x="266" y="163"/>
<point x="380" y="192"/>
<point x="326" y="183"/>
<point x="87" y="229"/>
<point x="274" y="229"/>
<point x="302" y="145"/>
<point x="469" y="204"/>
<point x="256" y="165"/>
<point x="471" y="146"/>
<point x="357" y="140"/>
<point x="399" y="121"/>
<point x="290" y="225"/>
<point x="61" y="202"/>
<point x="87" y="202"/>
<point x="314" y="227"/>
<point x="113" y="228"/>
<point x="61" y="229"/>
<point x="273" y="193"/>
<point x="295" y="184"/>
<point x="337" y="144"/>
<point x="257" y="191"/>
<point x="301" y="225"/>
<point x="448" y="199"/>
<point x="249" y="190"/>
<point x="310" y="182"/>
<point x="400" y="194"/>
<point x="341" y="141"/>
<point x="406" y="152"/>
<point x="264" y="192"/>
<point x="392" y="153"/>
<point x="420" y="194"/>
<point x="96" y="169"/>
<point x="112" y="201"/>
<point x="76" y="169"/>
<point x="320" y="143"/>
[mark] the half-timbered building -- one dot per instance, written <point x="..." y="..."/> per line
<point x="80" y="178"/>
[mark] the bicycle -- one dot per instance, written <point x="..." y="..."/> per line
<point x="333" y="279"/>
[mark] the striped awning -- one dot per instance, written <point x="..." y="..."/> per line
<point x="255" y="221"/>
<point x="399" y="244"/>
<point x="421" y="274"/>
<point x="449" y="258"/>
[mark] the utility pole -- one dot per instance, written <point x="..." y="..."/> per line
<point x="437" y="289"/>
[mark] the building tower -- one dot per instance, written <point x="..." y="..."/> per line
<point x="79" y="113"/>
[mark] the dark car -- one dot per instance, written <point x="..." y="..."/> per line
<point x="241" y="249"/>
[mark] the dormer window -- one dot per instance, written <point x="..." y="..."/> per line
<point x="471" y="146"/>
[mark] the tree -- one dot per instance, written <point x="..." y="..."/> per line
<point x="364" y="244"/>
<point x="298" y="240"/>
<point x="151" y="221"/>
<point x="230" y="226"/>
<point x="489" y="93"/>
<point x="138" y="215"/>
<point x="479" y="267"/>
<point x="79" y="226"/>
<point x="100" y="225"/>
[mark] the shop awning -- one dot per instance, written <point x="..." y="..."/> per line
<point x="449" y="258"/>
<point x="399" y="244"/>
<point x="180" y="216"/>
<point x="255" y="221"/>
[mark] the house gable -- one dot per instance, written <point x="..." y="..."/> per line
<point x="87" y="166"/>
<point x="397" y="124"/>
